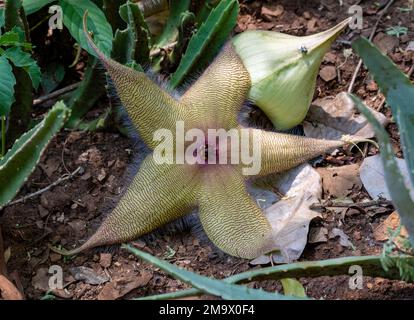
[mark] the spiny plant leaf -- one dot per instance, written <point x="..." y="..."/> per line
<point x="7" y="82"/>
<point x="20" y="113"/>
<point x="208" y="40"/>
<point x="24" y="60"/>
<point x="371" y="265"/>
<point x="111" y="9"/>
<point x="32" y="6"/>
<point x="73" y="11"/>
<point x="138" y="31"/>
<point x="89" y="92"/>
<point x="22" y="158"/>
<point x="208" y="285"/>
<point x="12" y="15"/>
<point x="170" y="32"/>
<point x="398" y="91"/>
<point x="207" y="7"/>
<point x="400" y="194"/>
<point x="122" y="46"/>
<point x="2" y="20"/>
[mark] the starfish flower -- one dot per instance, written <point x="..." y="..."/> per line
<point x="160" y="193"/>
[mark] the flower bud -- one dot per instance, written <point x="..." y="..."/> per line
<point x="283" y="70"/>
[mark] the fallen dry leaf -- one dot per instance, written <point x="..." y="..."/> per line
<point x="88" y="275"/>
<point x="386" y="43"/>
<point x="392" y="222"/>
<point x="274" y="11"/>
<point x="318" y="235"/>
<point x="338" y="182"/>
<point x="290" y="217"/>
<point x="8" y="291"/>
<point x="332" y="117"/>
<point x="328" y="73"/>
<point x="373" y="178"/>
<point x="121" y="286"/>
<point x="343" y="238"/>
<point x="40" y="281"/>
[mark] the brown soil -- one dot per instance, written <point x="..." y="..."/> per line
<point x="68" y="213"/>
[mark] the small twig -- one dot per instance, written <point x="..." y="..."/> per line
<point x="41" y="191"/>
<point x="55" y="94"/>
<point x="367" y="204"/>
<point x="371" y="36"/>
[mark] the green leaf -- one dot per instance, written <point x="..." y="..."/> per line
<point x="31" y="6"/>
<point x="170" y="32"/>
<point x="2" y="19"/>
<point x="15" y="37"/>
<point x="24" y="60"/>
<point x="208" y="285"/>
<point x="12" y="15"/>
<point x="372" y="266"/>
<point x="398" y="91"/>
<point x="22" y="158"/>
<point x="7" y="82"/>
<point x="209" y="39"/>
<point x="292" y="287"/>
<point x="73" y="12"/>
<point x="138" y="32"/>
<point x="88" y="93"/>
<point x="400" y="194"/>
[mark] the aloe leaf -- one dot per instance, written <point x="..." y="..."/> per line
<point x="2" y="19"/>
<point x="205" y="10"/>
<point x="138" y="32"/>
<point x="24" y="60"/>
<point x="206" y="43"/>
<point x="208" y="285"/>
<point x="400" y="194"/>
<point x="21" y="159"/>
<point x="89" y="92"/>
<point x="32" y="6"/>
<point x="73" y="12"/>
<point x="398" y="91"/>
<point x="7" y="82"/>
<point x="371" y="265"/>
<point x="111" y="9"/>
<point x="170" y="32"/>
<point x="11" y="14"/>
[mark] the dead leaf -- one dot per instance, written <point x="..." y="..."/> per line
<point x="392" y="222"/>
<point x="317" y="235"/>
<point x="88" y="275"/>
<point x="290" y="217"/>
<point x="373" y="178"/>
<point x="339" y="181"/>
<point x="328" y="73"/>
<point x="8" y="291"/>
<point x="386" y="43"/>
<point x="121" y="286"/>
<point x="105" y="260"/>
<point x="343" y="238"/>
<point x="332" y="117"/>
<point x="274" y="11"/>
<point x="40" y="281"/>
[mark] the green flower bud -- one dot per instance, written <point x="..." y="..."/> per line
<point x="283" y="70"/>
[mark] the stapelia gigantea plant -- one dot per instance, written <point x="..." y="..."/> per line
<point x="162" y="193"/>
